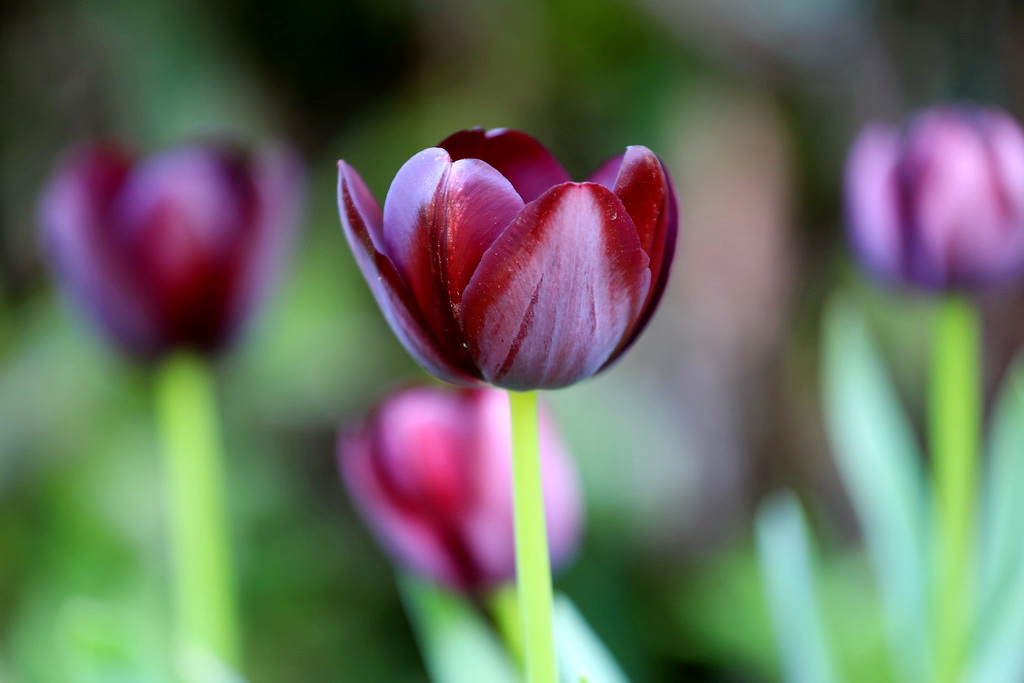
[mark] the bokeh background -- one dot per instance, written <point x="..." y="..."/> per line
<point x="752" y="103"/>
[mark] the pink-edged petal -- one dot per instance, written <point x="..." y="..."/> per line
<point x="413" y="222"/>
<point x="527" y="164"/>
<point x="558" y="290"/>
<point x="439" y="218"/>
<point x="361" y="218"/>
<point x="645" y="187"/>
<point x="481" y="204"/>
<point x="360" y="213"/>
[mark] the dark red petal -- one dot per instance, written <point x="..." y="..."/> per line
<point x="481" y="204"/>
<point x="182" y="219"/>
<point x="556" y="293"/>
<point x="361" y="219"/>
<point x="645" y="188"/>
<point x="530" y="167"/>
<point x="439" y="218"/>
<point x="75" y="214"/>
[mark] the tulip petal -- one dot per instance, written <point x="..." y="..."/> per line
<point x="558" y="290"/>
<point x="412" y="536"/>
<point x="527" y="164"/>
<point x="362" y="221"/>
<point x="184" y="219"/>
<point x="873" y="200"/>
<point x="413" y="222"/>
<point x="645" y="188"/>
<point x="439" y="219"/>
<point x="74" y="213"/>
<point x="481" y="204"/>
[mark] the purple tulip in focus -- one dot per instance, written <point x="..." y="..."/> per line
<point x="431" y="472"/>
<point x="940" y="204"/>
<point x="492" y="265"/>
<point x="172" y="251"/>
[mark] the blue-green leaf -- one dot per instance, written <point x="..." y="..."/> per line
<point x="457" y="646"/>
<point x="784" y="551"/>
<point x="581" y="654"/>
<point x="999" y="655"/>
<point x="879" y="460"/>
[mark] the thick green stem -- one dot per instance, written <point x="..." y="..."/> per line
<point x="533" y="569"/>
<point x="204" y="593"/>
<point x="954" y="429"/>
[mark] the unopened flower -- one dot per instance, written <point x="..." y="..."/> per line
<point x="171" y="251"/>
<point x="493" y="266"/>
<point x="940" y="203"/>
<point x="430" y="471"/>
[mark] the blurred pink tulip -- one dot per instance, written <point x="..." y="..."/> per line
<point x="430" y="471"/>
<point x="940" y="205"/>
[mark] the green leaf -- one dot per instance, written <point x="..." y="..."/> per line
<point x="880" y="463"/>
<point x="1003" y="532"/>
<point x="457" y="646"/>
<point x="1001" y="624"/>
<point x="581" y="654"/>
<point x="98" y="641"/>
<point x="784" y="549"/>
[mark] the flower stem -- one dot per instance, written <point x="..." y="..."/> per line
<point x="533" y="569"/>
<point x="204" y="594"/>
<point x="954" y="429"/>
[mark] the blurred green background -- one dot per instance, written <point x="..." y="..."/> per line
<point x="752" y="103"/>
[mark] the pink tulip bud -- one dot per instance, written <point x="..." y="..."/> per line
<point x="431" y="472"/>
<point x="173" y="251"/>
<point x="940" y="204"/>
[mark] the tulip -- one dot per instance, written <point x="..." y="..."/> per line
<point x="430" y="471"/>
<point x="174" y="251"/>
<point x="493" y="266"/>
<point x="940" y="204"/>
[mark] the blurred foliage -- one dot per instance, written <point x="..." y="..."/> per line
<point x="666" y="576"/>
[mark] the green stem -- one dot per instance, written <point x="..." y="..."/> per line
<point x="533" y="569"/>
<point x="204" y="594"/>
<point x="954" y="430"/>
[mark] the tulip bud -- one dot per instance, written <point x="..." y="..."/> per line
<point x="940" y="204"/>
<point x="174" y="251"/>
<point x="492" y="266"/>
<point x="431" y="473"/>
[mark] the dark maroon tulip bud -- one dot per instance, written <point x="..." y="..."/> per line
<point x="431" y="472"/>
<point x="940" y="204"/>
<point x="173" y="251"/>
<point x="493" y="266"/>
